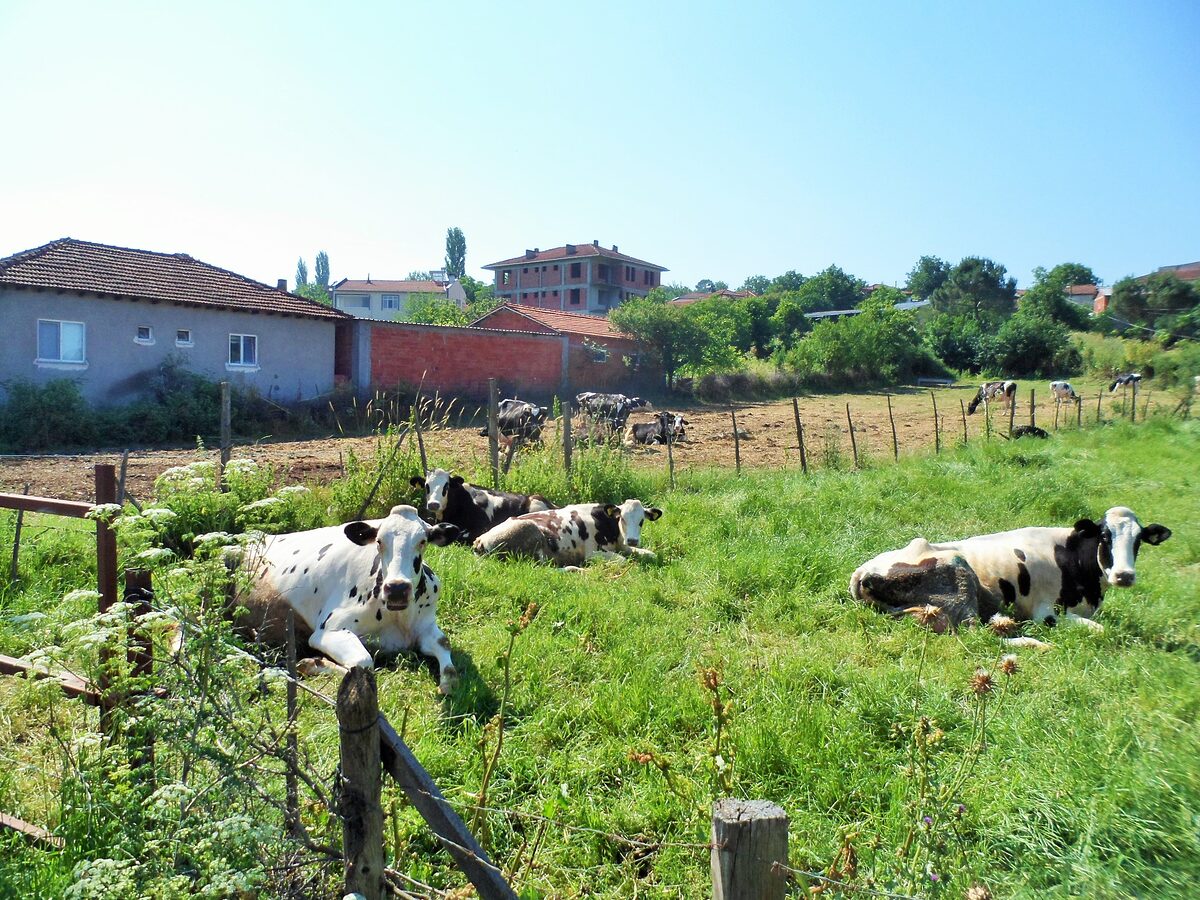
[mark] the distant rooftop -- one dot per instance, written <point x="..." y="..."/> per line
<point x="573" y="251"/>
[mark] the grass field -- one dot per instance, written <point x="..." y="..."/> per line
<point x="1076" y="776"/>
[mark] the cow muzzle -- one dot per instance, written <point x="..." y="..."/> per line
<point x="397" y="594"/>
<point x="1122" y="579"/>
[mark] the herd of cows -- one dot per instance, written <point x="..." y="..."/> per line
<point x="602" y="418"/>
<point x="371" y="580"/>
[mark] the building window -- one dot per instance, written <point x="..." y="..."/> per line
<point x="646" y="277"/>
<point x="353" y="301"/>
<point x="556" y="293"/>
<point x="576" y="270"/>
<point x="390" y="301"/>
<point x="575" y="296"/>
<point x="525" y="271"/>
<point x="60" y="341"/>
<point x="183" y="337"/>
<point x="506" y="278"/>
<point x="145" y="335"/>
<point x="556" y="268"/>
<point x="243" y="350"/>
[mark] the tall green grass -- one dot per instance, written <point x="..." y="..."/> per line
<point x="1083" y="781"/>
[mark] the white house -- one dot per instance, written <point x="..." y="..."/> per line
<point x="389" y="300"/>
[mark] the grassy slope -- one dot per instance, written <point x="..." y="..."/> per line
<point x="1087" y="786"/>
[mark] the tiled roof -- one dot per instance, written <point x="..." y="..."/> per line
<point x="562" y="322"/>
<point x="391" y="287"/>
<point x="581" y="250"/>
<point x="696" y="296"/>
<point x="1085" y="290"/>
<point x="1184" y="272"/>
<point x="72" y="265"/>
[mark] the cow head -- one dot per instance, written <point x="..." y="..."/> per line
<point x="631" y="515"/>
<point x="436" y="484"/>
<point x="639" y="403"/>
<point x="1118" y="538"/>
<point x="400" y="539"/>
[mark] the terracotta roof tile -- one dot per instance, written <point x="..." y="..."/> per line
<point x="581" y="250"/>
<point x="399" y="287"/>
<point x="696" y="296"/>
<point x="72" y="265"/>
<point x="562" y="322"/>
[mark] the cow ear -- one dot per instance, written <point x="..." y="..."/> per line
<point x="1155" y="534"/>
<point x="653" y="513"/>
<point x="417" y="481"/>
<point x="612" y="511"/>
<point x="443" y="533"/>
<point x="1087" y="528"/>
<point x="456" y="479"/>
<point x="361" y="533"/>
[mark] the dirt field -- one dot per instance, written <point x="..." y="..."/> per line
<point x="770" y="441"/>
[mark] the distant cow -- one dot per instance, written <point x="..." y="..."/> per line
<point x="994" y="390"/>
<point x="348" y="582"/>
<point x="1062" y="390"/>
<point x="519" y="419"/>
<point x="667" y="426"/>
<point x="612" y="410"/>
<point x="1034" y="573"/>
<point x="1130" y="378"/>
<point x="574" y="534"/>
<point x="472" y="509"/>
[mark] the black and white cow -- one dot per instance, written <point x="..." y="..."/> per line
<point x="611" y="410"/>
<point x="1063" y="391"/>
<point x="469" y="507"/>
<point x="519" y="419"/>
<point x="349" y="582"/>
<point x="994" y="390"/>
<point x="667" y="426"/>
<point x="1036" y="574"/>
<point x="1129" y="378"/>
<point x="572" y="535"/>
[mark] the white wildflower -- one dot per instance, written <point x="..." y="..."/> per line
<point x="156" y="555"/>
<point x="214" y="537"/>
<point x="26" y="619"/>
<point x="170" y="794"/>
<point x="274" y="673"/>
<point x="264" y="504"/>
<point x="293" y="489"/>
<point x="158" y="514"/>
<point x="82" y="595"/>
<point x="104" y="511"/>
<point x="242" y="467"/>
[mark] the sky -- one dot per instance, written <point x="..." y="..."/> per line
<point x="720" y="140"/>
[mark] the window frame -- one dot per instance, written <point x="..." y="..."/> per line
<point x="189" y="341"/>
<point x="148" y="340"/>
<point x="241" y="365"/>
<point x="58" y="360"/>
<point x="384" y="301"/>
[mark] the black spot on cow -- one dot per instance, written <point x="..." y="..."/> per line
<point x="321" y="553"/>
<point x="421" y="584"/>
<point x="354" y="591"/>
<point x="306" y="570"/>
<point x="374" y="565"/>
<point x="379" y="615"/>
<point x="326" y="619"/>
<point x="444" y="642"/>
<point x="294" y="552"/>
<point x="317" y="588"/>
<point x="1009" y="592"/>
<point x="1051" y="620"/>
<point x="1077" y="561"/>
<point x="1020" y="554"/>
<point x="1023" y="581"/>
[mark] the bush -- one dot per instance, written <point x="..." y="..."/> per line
<point x="1029" y="345"/>
<point x="1178" y="366"/>
<point x="39" y="418"/>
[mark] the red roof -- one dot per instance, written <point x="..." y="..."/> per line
<point x="397" y="287"/>
<point x="72" y="265"/>
<point x="1083" y="290"/>
<point x="1184" y="272"/>
<point x="559" y="321"/>
<point x="696" y="296"/>
<point x="580" y="250"/>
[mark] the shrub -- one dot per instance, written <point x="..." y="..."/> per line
<point x="40" y="417"/>
<point x="1028" y="345"/>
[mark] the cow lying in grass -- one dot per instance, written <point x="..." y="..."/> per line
<point x="471" y="508"/>
<point x="666" y="427"/>
<point x="570" y="536"/>
<point x="349" y="582"/>
<point x="1036" y="574"/>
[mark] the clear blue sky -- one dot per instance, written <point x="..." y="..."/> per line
<point x="717" y="139"/>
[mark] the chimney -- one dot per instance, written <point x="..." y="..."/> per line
<point x="281" y="284"/>
<point x="530" y="254"/>
<point x="595" y="243"/>
<point x="614" y="248"/>
<point x="571" y="248"/>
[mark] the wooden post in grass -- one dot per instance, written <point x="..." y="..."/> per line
<point x="12" y="569"/>
<point x="291" y="815"/>
<point x="671" y="454"/>
<point x="568" y="443"/>
<point x="737" y="443"/>
<point x="748" y="838"/>
<point x="1146" y="406"/>
<point x="416" y="418"/>
<point x="1057" y="404"/>
<point x="362" y="781"/>
<point x="121" y="478"/>
<point x="853" y="442"/>
<point x="106" y="584"/>
<point x="494" y="432"/>
<point x="987" y="421"/>
<point x="800" y="437"/>
<point x="138" y="592"/>
<point x="1032" y="408"/>
<point x="937" y="427"/>
<point x="226" y="432"/>
<point x="1099" y="399"/>
<point x="892" y="420"/>
<point x="1012" y="413"/>
<point x="962" y="407"/>
<point x="1078" y="412"/>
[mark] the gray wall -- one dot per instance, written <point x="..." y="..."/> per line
<point x="295" y="356"/>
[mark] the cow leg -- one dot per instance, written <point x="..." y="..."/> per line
<point x="640" y="553"/>
<point x="1076" y="619"/>
<point x="433" y="642"/>
<point x="343" y="647"/>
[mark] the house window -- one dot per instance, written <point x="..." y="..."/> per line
<point x="353" y="301"/>
<point x="60" y="341"/>
<point x="506" y="277"/>
<point x="576" y="270"/>
<point x="602" y="272"/>
<point x="646" y="277"/>
<point x="391" y="301"/>
<point x="243" y="350"/>
<point x="525" y="271"/>
<point x="183" y="337"/>
<point x="599" y="353"/>
<point x="145" y="335"/>
<point x="575" y="296"/>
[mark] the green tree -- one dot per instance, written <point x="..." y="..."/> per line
<point x="301" y="273"/>
<point x="707" y="286"/>
<point x="958" y="341"/>
<point x="762" y="327"/>
<point x="1048" y="296"/>
<point x="419" y="275"/>
<point x="831" y="289"/>
<point x="880" y="344"/>
<point x="758" y="284"/>
<point x="456" y="253"/>
<point x="927" y="276"/>
<point x="476" y="289"/>
<point x="322" y="269"/>
<point x="977" y="287"/>
<point x="728" y="328"/>
<point x="791" y="280"/>
<point x="315" y="292"/>
<point x="788" y="322"/>
<point x="1029" y="344"/>
<point x="672" y="337"/>
<point x="433" y="309"/>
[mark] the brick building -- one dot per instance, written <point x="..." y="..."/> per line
<point x="581" y="278"/>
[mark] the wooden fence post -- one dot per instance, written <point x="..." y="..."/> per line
<point x="494" y="432"/>
<point x="853" y="441"/>
<point x="937" y="426"/>
<point x="12" y="569"/>
<point x="892" y="420"/>
<point x="291" y="819"/>
<point x="106" y="584"/>
<point x="671" y="454"/>
<point x="737" y="443"/>
<point x="226" y="433"/>
<point x="1146" y="406"/>
<point x="362" y="782"/>
<point x="987" y="421"/>
<point x="1012" y="413"/>
<point x="1057" y="404"/>
<point x="962" y="408"/>
<point x="1099" y="399"/>
<point x="1078" y="412"/>
<point x="800" y="436"/>
<point x="748" y="838"/>
<point x="138" y="592"/>
<point x="1032" y="408"/>
<point x="416" y="418"/>
<point x="567" y="440"/>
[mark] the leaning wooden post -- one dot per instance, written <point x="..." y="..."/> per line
<point x="962" y="407"/>
<point x="121" y="478"/>
<point x="892" y="420"/>
<point x="800" y="437"/>
<point x="737" y="443"/>
<point x="1032" y="408"/>
<point x="361" y="783"/>
<point x="937" y="427"/>
<point x="749" y="852"/>
<point x="226" y="432"/>
<point x="853" y="441"/>
<point x="12" y="569"/>
<point x="568" y="441"/>
<point x="291" y="816"/>
<point x="494" y="432"/>
<point x="1146" y="406"/>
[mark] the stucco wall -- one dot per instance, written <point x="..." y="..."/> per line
<point x="295" y="356"/>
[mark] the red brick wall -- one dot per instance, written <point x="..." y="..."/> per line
<point x="612" y="375"/>
<point x="507" y="319"/>
<point x="461" y="360"/>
